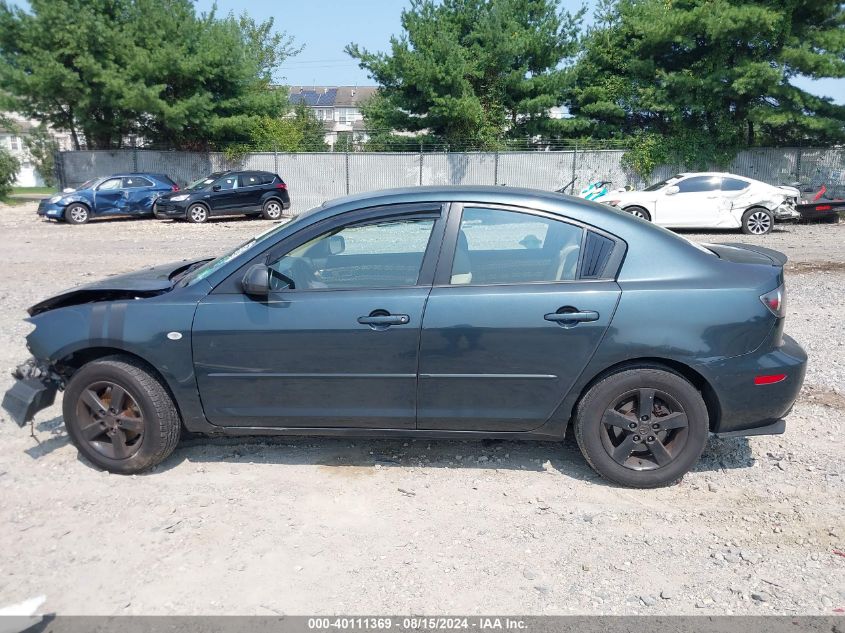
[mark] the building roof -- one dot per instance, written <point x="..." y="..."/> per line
<point x="331" y="96"/>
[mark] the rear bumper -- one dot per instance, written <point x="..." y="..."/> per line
<point x="746" y="408"/>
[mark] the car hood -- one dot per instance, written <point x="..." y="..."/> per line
<point x="135" y="285"/>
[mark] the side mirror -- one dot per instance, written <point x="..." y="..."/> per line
<point x="671" y="191"/>
<point x="256" y="281"/>
<point x="216" y="188"/>
<point x="336" y="245"/>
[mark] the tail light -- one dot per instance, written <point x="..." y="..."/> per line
<point x="823" y="207"/>
<point x="175" y="188"/>
<point x="281" y="185"/>
<point x="775" y="301"/>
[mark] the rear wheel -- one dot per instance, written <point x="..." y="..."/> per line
<point x="642" y="427"/>
<point x="757" y="221"/>
<point x="77" y="213"/>
<point x="639" y="212"/>
<point x="197" y="214"/>
<point x="272" y="210"/>
<point x="120" y="416"/>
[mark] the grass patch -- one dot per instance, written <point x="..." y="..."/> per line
<point x="33" y="190"/>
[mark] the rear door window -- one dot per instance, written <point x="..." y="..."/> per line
<point x="734" y="184"/>
<point x="136" y="182"/>
<point x="497" y="246"/>
<point x="249" y="180"/>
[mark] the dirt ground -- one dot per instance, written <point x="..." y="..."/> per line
<point x="318" y="526"/>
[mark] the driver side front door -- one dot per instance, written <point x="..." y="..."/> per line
<point x="695" y="205"/>
<point x="338" y="345"/>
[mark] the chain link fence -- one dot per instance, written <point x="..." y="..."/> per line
<point x="313" y="178"/>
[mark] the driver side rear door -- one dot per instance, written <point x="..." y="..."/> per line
<point x="339" y="347"/>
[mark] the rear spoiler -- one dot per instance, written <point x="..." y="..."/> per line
<point x="748" y="254"/>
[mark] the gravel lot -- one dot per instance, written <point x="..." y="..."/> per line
<point x="339" y="526"/>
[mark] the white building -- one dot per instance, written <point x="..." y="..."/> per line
<point x="338" y="107"/>
<point x="13" y="141"/>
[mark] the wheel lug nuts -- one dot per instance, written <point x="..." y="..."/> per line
<point x="632" y="425"/>
<point x="637" y="438"/>
<point x="655" y="426"/>
<point x="644" y="418"/>
<point x="650" y="438"/>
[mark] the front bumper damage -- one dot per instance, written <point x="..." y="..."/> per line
<point x="35" y="389"/>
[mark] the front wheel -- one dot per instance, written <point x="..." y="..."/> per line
<point x="757" y="221"/>
<point x="77" y="214"/>
<point x="197" y="214"/>
<point x="120" y="416"/>
<point x="272" y="210"/>
<point x="643" y="427"/>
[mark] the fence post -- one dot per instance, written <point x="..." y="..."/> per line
<point x="59" y="169"/>
<point x="574" y="162"/>
<point x="275" y="159"/>
<point x="496" y="167"/>
<point x="798" y="158"/>
<point x="134" y="156"/>
<point x="347" y="171"/>
<point x="421" y="164"/>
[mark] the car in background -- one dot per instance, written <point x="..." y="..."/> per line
<point x="454" y="312"/>
<point x="115" y="195"/>
<point x="227" y="193"/>
<point x="819" y="204"/>
<point x="710" y="200"/>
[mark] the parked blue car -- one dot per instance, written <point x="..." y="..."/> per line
<point x="120" y="194"/>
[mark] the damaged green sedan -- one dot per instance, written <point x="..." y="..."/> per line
<point x="450" y="312"/>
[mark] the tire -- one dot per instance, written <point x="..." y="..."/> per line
<point x="657" y="457"/>
<point x="272" y="210"/>
<point x="77" y="213"/>
<point x="144" y="431"/>
<point x="639" y="212"/>
<point x="197" y="214"/>
<point x="831" y="219"/>
<point x="757" y="221"/>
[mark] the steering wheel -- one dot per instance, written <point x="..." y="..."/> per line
<point x="297" y="272"/>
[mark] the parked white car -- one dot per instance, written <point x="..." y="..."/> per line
<point x="710" y="200"/>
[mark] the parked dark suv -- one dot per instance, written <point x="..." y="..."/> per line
<point x="227" y="193"/>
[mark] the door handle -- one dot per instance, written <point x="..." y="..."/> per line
<point x="571" y="318"/>
<point x="384" y="319"/>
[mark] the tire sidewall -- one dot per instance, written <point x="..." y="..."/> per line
<point x="191" y="219"/>
<point x="150" y="443"/>
<point x="69" y="218"/>
<point x="752" y="211"/>
<point x="601" y="396"/>
<point x="645" y="214"/>
<point x="266" y="213"/>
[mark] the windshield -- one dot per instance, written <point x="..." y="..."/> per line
<point x="662" y="183"/>
<point x="87" y="184"/>
<point x="202" y="183"/>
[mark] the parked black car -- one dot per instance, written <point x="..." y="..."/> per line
<point x="227" y="193"/>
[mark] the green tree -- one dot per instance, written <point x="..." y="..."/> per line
<point x="9" y="167"/>
<point x="298" y="131"/>
<point x="471" y="71"/>
<point x="709" y="76"/>
<point x="154" y="68"/>
<point x="42" y="148"/>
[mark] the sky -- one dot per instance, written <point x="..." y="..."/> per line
<point x="325" y="27"/>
